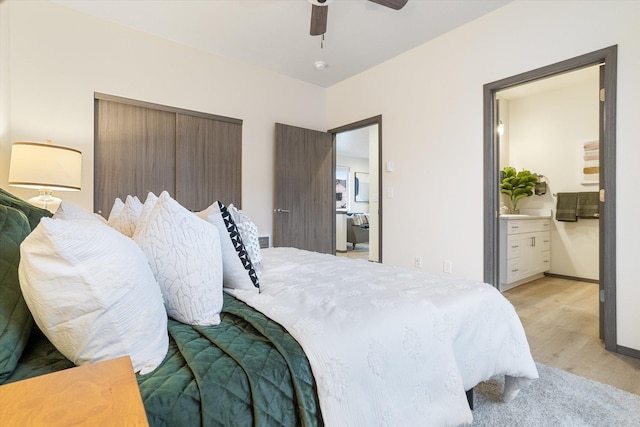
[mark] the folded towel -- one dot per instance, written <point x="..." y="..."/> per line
<point x="588" y="205"/>
<point x="566" y="207"/>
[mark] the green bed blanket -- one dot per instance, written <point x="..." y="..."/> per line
<point x="247" y="371"/>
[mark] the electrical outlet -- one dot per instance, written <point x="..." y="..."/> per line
<point x="418" y="262"/>
<point x="447" y="266"/>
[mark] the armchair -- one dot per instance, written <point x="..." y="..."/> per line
<point x="357" y="233"/>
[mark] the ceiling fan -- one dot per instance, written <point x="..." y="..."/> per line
<point x="320" y="8"/>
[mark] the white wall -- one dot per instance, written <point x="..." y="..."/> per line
<point x="431" y="104"/>
<point x="545" y="131"/>
<point x="53" y="59"/>
<point x="355" y="164"/>
<point x="503" y="140"/>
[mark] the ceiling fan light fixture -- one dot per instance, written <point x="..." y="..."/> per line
<point x="320" y="65"/>
<point x="393" y="4"/>
<point x="320" y="11"/>
<point x="320" y="2"/>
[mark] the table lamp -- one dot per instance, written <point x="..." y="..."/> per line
<point x="45" y="167"/>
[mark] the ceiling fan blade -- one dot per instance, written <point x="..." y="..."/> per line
<point x="318" y="20"/>
<point x="393" y="4"/>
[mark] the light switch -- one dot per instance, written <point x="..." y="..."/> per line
<point x="389" y="192"/>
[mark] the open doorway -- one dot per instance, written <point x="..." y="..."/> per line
<point x="550" y="127"/>
<point x="607" y="58"/>
<point x="358" y="186"/>
<point x="549" y="253"/>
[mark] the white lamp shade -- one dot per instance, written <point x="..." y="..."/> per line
<point x="35" y="165"/>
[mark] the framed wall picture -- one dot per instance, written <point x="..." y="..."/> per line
<point x="342" y="188"/>
<point x="361" y="187"/>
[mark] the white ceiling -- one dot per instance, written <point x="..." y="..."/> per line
<point x="274" y="34"/>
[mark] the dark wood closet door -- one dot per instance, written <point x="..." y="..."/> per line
<point x="134" y="153"/>
<point x="305" y="189"/>
<point x="208" y="162"/>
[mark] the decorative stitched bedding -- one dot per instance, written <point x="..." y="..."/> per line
<point x="246" y="371"/>
<point x="389" y="346"/>
<point x="386" y="346"/>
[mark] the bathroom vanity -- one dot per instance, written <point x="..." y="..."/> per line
<point x="525" y="245"/>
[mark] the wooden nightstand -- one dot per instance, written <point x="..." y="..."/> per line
<point x="101" y="394"/>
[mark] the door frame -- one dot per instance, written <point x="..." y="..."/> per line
<point x="607" y="227"/>
<point x="375" y="120"/>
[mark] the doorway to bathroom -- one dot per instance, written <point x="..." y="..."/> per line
<point x="605" y="60"/>
<point x="550" y="127"/>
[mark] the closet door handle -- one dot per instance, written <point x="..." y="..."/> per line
<point x="281" y="210"/>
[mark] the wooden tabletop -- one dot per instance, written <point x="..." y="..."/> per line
<point x="100" y="394"/>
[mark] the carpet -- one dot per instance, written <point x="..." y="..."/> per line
<point x="557" y="398"/>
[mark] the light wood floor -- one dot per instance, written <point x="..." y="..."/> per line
<point x="560" y="318"/>
<point x="361" y="251"/>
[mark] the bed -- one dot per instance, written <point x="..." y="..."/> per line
<point x="326" y="341"/>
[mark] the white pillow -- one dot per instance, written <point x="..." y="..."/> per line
<point x="237" y="268"/>
<point x="70" y="212"/>
<point x="147" y="207"/>
<point x="184" y="254"/>
<point x="92" y="293"/>
<point x="249" y="233"/>
<point x="124" y="216"/>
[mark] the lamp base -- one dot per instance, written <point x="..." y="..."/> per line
<point x="46" y="201"/>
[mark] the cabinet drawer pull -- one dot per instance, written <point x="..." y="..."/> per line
<point x="515" y="247"/>
<point x="514" y="270"/>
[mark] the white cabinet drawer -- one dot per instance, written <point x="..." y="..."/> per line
<point x="513" y="247"/>
<point x="527" y="226"/>
<point x="514" y="227"/>
<point x="513" y="270"/>
<point x="546" y="260"/>
<point x="544" y="241"/>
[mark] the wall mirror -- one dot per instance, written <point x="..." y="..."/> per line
<point x="361" y="187"/>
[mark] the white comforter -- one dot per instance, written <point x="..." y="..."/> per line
<point x="389" y="346"/>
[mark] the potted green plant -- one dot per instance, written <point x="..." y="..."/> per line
<point x="517" y="185"/>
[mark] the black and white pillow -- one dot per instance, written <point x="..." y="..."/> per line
<point x="249" y="233"/>
<point x="238" y="271"/>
